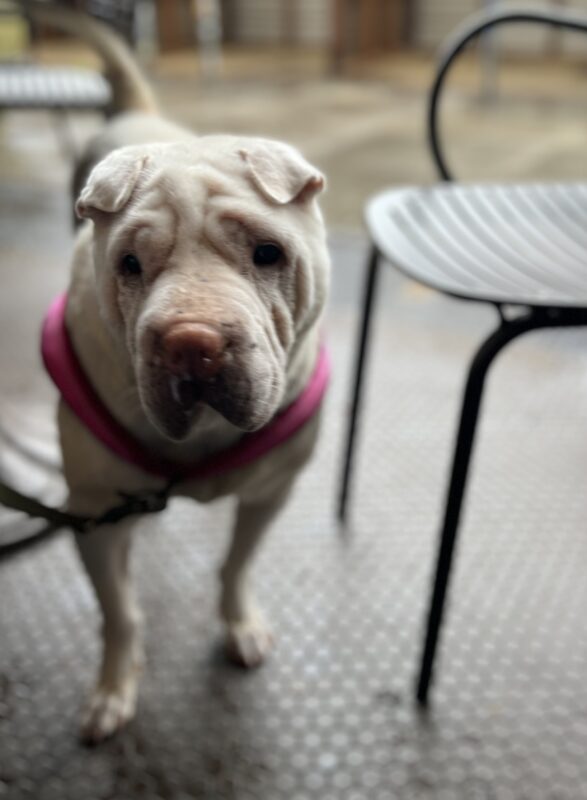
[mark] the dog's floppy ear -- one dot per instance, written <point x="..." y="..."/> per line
<point x="280" y="173"/>
<point x="111" y="183"/>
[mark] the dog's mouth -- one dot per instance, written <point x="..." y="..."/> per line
<point x="186" y="392"/>
<point x="174" y="403"/>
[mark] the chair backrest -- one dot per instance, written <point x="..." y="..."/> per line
<point x="118" y="13"/>
<point x="458" y="42"/>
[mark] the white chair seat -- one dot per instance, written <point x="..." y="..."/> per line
<point x="27" y="86"/>
<point x="508" y="243"/>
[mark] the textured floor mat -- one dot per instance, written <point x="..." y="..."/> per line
<point x="331" y="715"/>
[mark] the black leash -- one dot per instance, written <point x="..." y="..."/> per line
<point x="148" y="502"/>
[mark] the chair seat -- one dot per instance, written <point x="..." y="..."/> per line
<point x="520" y="244"/>
<point x="29" y="86"/>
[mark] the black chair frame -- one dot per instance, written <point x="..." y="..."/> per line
<point x="526" y="318"/>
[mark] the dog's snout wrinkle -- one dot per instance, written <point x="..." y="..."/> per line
<point x="193" y="351"/>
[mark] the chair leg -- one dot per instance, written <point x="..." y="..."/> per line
<point x="373" y="267"/>
<point x="507" y="331"/>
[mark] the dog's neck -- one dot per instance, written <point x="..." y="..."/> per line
<point x="110" y="371"/>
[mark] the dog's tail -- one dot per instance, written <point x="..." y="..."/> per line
<point x="130" y="90"/>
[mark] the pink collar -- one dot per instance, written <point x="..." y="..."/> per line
<point x="76" y="390"/>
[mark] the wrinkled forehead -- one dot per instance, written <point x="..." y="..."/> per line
<point x="188" y="178"/>
<point x="190" y="174"/>
<point x="210" y="178"/>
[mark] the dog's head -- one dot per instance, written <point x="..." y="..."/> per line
<point x="211" y="266"/>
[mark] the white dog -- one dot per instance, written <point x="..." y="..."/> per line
<point x="193" y="311"/>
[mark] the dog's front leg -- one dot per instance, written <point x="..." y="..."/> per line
<point x="249" y="638"/>
<point x="105" y="554"/>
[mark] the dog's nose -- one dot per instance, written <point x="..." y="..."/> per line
<point x="193" y="350"/>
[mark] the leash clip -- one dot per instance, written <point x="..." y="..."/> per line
<point x="148" y="502"/>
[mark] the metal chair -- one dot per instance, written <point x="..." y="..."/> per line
<point x="60" y="89"/>
<point x="521" y="248"/>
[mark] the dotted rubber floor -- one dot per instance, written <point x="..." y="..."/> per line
<point x="331" y="715"/>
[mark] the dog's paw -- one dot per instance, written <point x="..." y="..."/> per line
<point x="248" y="643"/>
<point x="106" y="713"/>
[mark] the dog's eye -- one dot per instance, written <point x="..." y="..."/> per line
<point x="266" y="255"/>
<point x="130" y="266"/>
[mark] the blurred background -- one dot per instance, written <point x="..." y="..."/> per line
<point x="346" y="81"/>
<point x="332" y="714"/>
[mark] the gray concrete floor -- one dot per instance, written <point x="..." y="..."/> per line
<point x="331" y="715"/>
